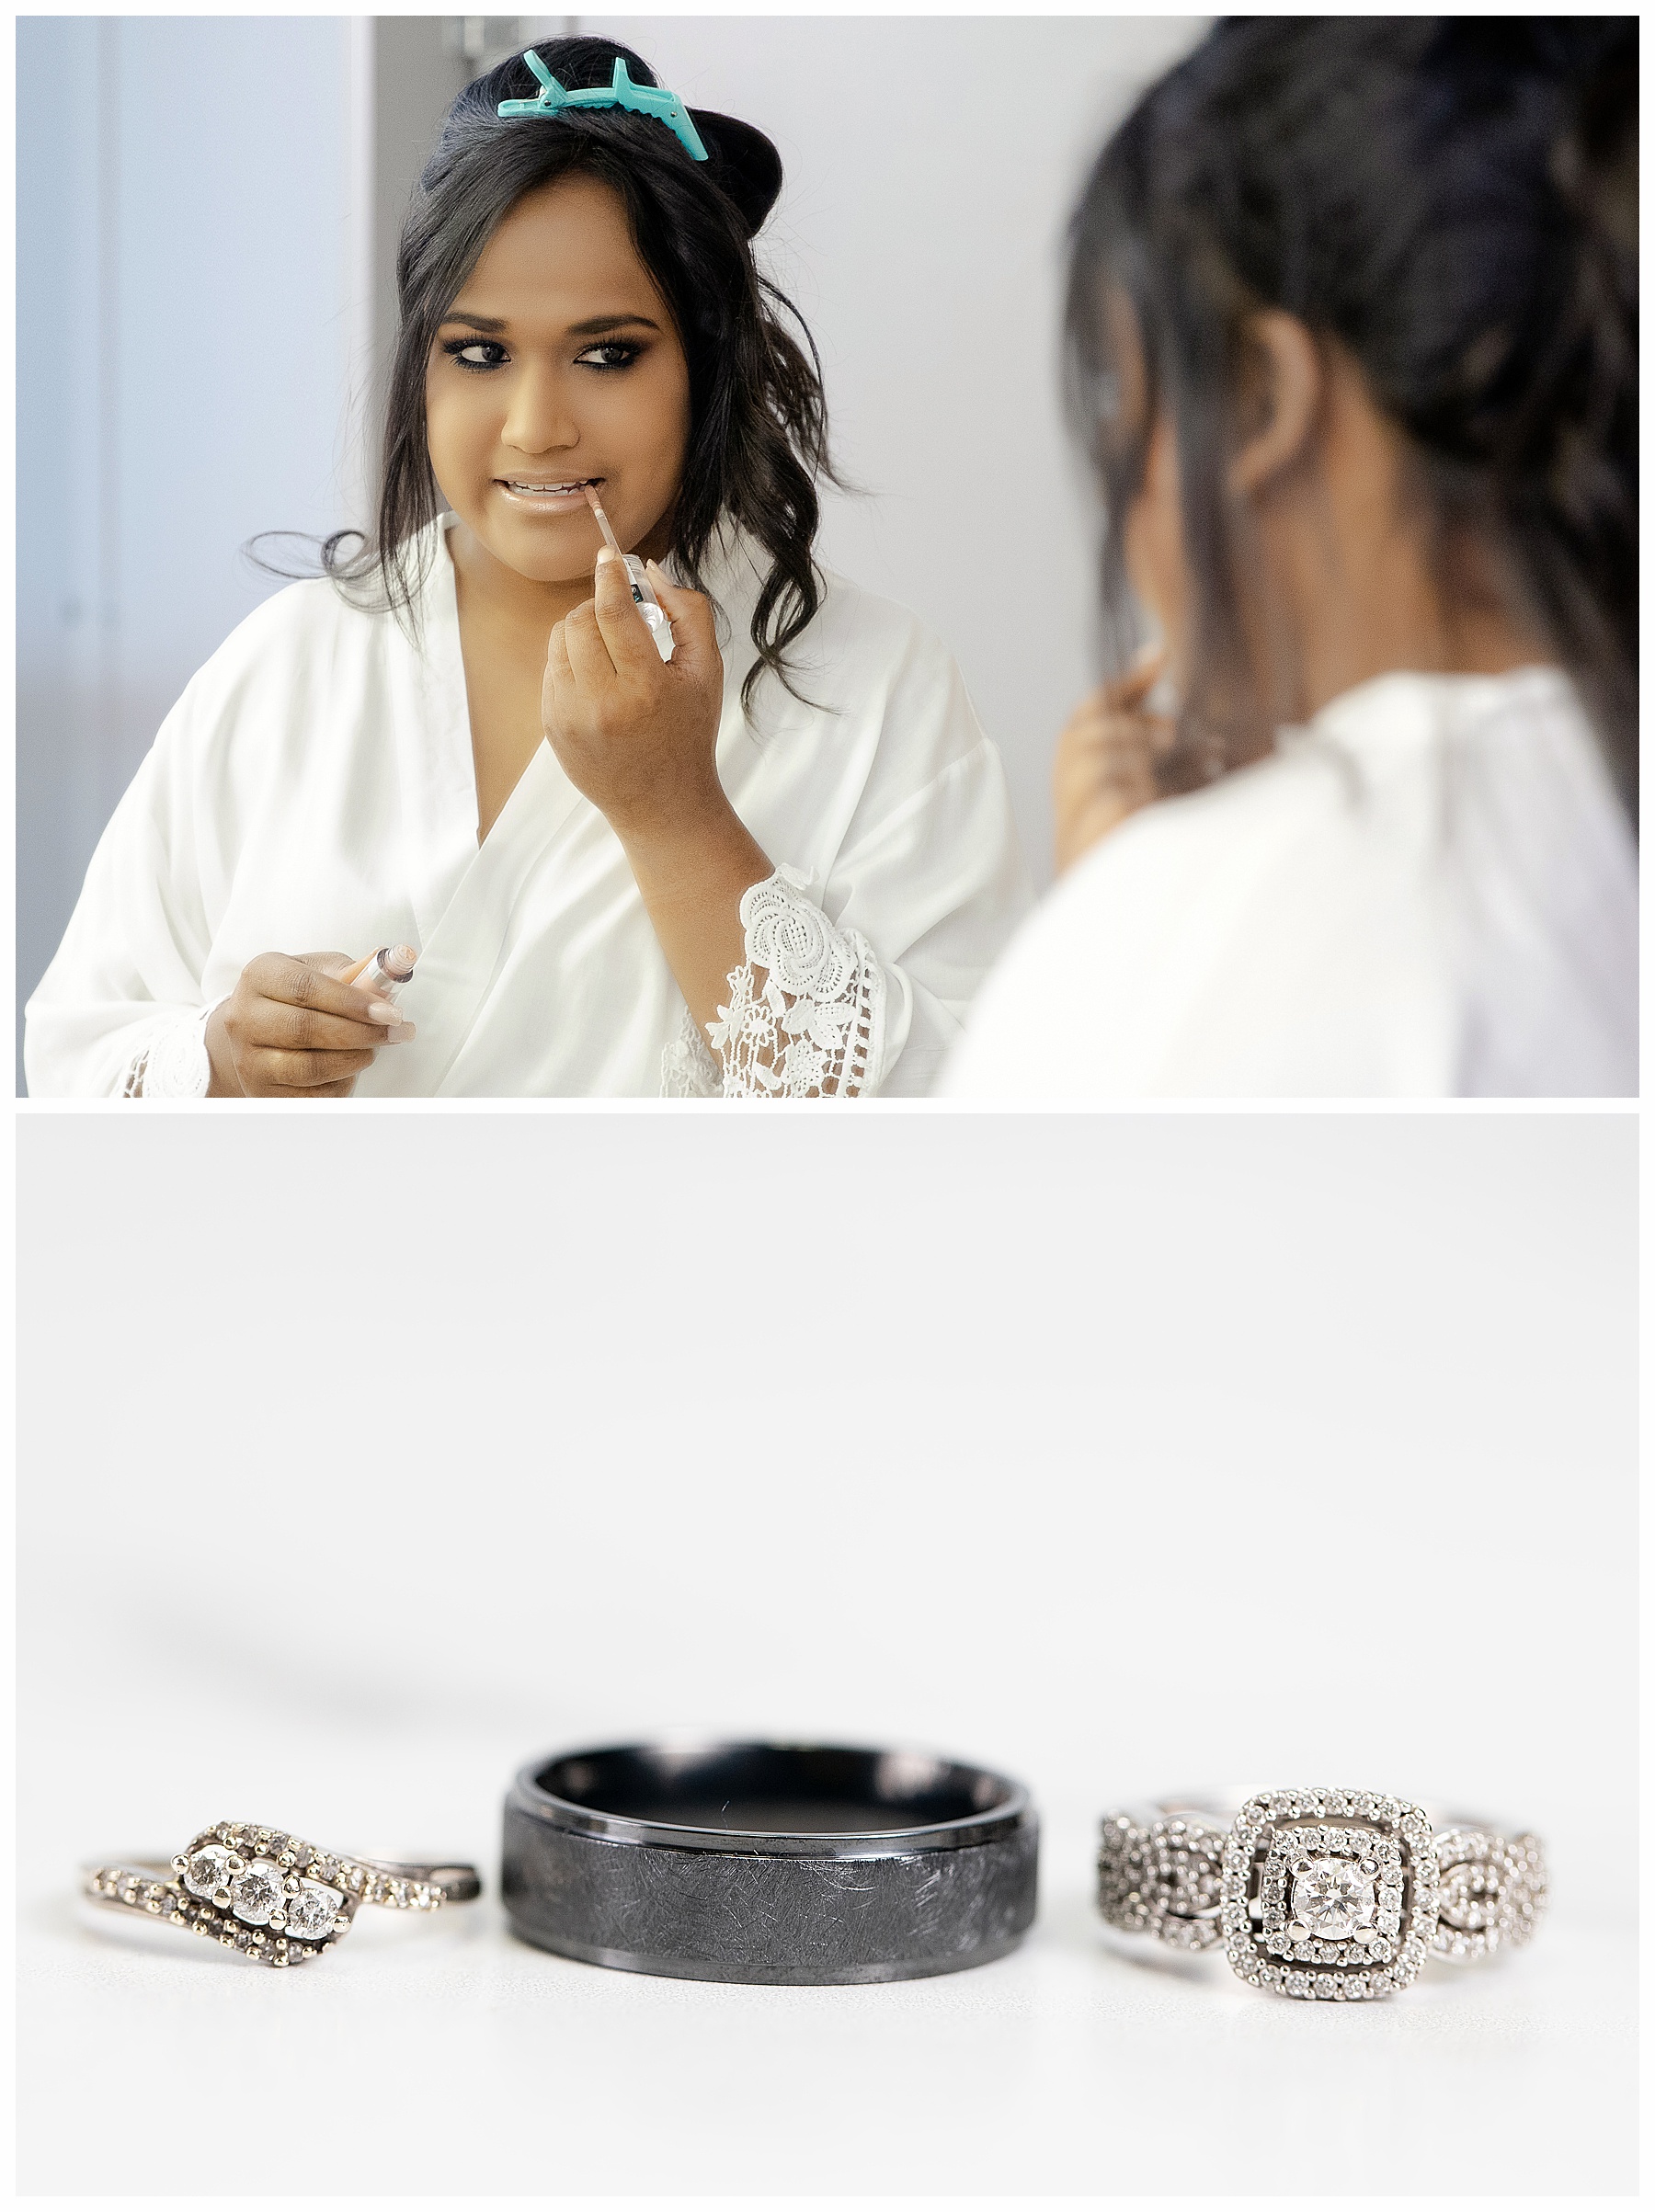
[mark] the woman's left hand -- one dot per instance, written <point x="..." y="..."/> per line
<point x="636" y="734"/>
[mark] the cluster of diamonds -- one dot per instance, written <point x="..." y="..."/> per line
<point x="256" y="1890"/>
<point x="1492" y="1890"/>
<point x="1328" y="1894"/>
<point x="1161" y="1878"/>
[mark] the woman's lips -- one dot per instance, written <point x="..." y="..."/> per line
<point x="565" y="495"/>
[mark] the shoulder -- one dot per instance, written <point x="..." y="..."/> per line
<point x="876" y="635"/>
<point x="276" y="680"/>
<point x="1161" y="963"/>
<point x="1313" y="921"/>
<point x="873" y="727"/>
<point x="1190" y="891"/>
<point x="1232" y="841"/>
<point x="1422" y="727"/>
<point x="898" y="683"/>
<point x="284" y="631"/>
<point x="1526" y="744"/>
<point x="876" y="666"/>
<point x="1381" y="787"/>
<point x="284" y="689"/>
<point x="855" y="641"/>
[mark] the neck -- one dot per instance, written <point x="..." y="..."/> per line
<point x="1366" y="587"/>
<point x="504" y="597"/>
<point x="519" y="605"/>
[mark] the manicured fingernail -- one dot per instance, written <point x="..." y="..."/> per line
<point x="607" y="553"/>
<point x="378" y="1011"/>
<point x="657" y="575"/>
<point x="401" y="1034"/>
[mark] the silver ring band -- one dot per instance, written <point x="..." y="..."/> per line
<point x="1319" y="1893"/>
<point x="269" y="1895"/>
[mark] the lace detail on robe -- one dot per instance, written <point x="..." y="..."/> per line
<point x="817" y="1028"/>
<point x="174" y="1064"/>
<point x="687" y="1067"/>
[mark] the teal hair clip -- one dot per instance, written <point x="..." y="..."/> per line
<point x="620" y="92"/>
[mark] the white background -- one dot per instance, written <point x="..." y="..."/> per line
<point x="360" y="1462"/>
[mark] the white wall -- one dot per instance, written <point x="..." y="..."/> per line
<point x="931" y="166"/>
<point x="187" y="327"/>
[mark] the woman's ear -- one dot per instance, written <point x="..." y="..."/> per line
<point x="1280" y="396"/>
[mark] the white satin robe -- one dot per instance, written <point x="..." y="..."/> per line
<point x="313" y="790"/>
<point x="1428" y="890"/>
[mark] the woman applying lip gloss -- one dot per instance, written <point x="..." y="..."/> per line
<point x="774" y="865"/>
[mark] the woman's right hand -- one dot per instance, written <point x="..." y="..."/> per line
<point x="291" y="1029"/>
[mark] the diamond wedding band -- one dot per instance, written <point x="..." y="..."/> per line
<point x="1319" y="1893"/>
<point x="266" y="1894"/>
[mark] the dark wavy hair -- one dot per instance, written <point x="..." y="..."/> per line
<point x="758" y="418"/>
<point x="1454" y="201"/>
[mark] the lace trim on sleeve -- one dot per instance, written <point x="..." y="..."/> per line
<point x="687" y="1067"/>
<point x="817" y="1028"/>
<point x="173" y="1064"/>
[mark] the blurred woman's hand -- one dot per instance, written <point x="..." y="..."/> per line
<point x="292" y="1030"/>
<point x="1108" y="761"/>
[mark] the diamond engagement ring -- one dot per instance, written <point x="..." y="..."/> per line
<point x="1319" y="1893"/>
<point x="269" y="1896"/>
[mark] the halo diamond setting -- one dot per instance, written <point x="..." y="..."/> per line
<point x="1328" y="1894"/>
<point x="1319" y="1893"/>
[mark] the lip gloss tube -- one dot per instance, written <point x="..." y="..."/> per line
<point x="383" y="973"/>
<point x="642" y="590"/>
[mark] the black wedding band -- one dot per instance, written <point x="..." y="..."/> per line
<point x="769" y="1862"/>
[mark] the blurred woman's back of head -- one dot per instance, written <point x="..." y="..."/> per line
<point x="1452" y="203"/>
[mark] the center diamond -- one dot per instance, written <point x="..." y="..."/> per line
<point x="1331" y="1897"/>
<point x="257" y="1893"/>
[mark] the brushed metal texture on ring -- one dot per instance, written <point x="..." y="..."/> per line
<point x="797" y="1864"/>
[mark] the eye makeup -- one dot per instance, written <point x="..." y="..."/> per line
<point x="630" y="350"/>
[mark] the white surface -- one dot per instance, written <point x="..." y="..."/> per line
<point x="472" y="2064"/>
<point x="962" y="1481"/>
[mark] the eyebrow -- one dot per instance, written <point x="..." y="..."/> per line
<point x="593" y="327"/>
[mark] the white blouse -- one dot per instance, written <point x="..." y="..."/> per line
<point x="1430" y="892"/>
<point x="313" y="790"/>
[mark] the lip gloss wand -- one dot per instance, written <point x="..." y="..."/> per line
<point x="642" y="590"/>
